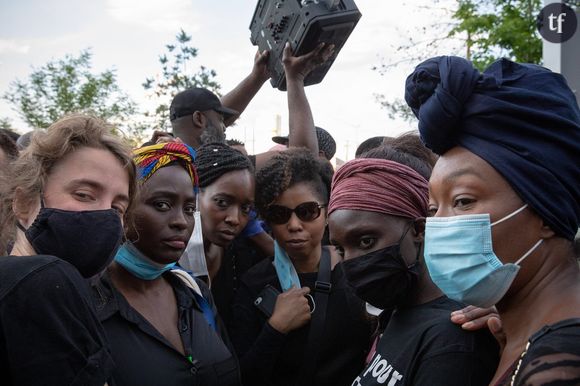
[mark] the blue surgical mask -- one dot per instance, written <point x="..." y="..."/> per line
<point x="139" y="265"/>
<point x="285" y="270"/>
<point x="460" y="258"/>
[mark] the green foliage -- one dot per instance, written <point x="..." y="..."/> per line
<point x="499" y="28"/>
<point x="479" y="30"/>
<point x="176" y="77"/>
<point x="6" y="124"/>
<point x="67" y="86"/>
<point x="396" y="108"/>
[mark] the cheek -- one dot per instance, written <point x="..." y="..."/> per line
<point x="143" y="223"/>
<point x="279" y="231"/>
<point x="211" y="218"/>
<point x="316" y="229"/>
<point x="244" y="219"/>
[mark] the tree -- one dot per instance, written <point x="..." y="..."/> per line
<point x="479" y="30"/>
<point x="499" y="28"/>
<point x="68" y="86"/>
<point x="6" y="124"/>
<point x="175" y="77"/>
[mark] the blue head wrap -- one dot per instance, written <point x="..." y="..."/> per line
<point x="522" y="119"/>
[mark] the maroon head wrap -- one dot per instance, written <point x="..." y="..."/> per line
<point x="378" y="185"/>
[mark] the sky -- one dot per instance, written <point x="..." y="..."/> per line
<point x="129" y="35"/>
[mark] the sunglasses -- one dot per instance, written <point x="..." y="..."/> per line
<point x="307" y="211"/>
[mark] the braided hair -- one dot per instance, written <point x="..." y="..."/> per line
<point x="287" y="169"/>
<point x="216" y="159"/>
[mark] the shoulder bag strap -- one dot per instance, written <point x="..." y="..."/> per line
<point x="322" y="290"/>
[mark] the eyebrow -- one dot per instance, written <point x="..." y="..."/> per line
<point x="355" y="230"/>
<point x="85" y="181"/>
<point x="156" y="193"/>
<point x="95" y="185"/>
<point x="461" y="172"/>
<point x="230" y="196"/>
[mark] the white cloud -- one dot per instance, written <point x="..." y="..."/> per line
<point x="168" y="15"/>
<point x="13" y="46"/>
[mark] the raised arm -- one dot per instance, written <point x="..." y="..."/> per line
<point x="239" y="98"/>
<point x="302" y="132"/>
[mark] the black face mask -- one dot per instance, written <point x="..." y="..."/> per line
<point x="86" y="239"/>
<point x="382" y="278"/>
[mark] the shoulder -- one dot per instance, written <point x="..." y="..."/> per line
<point x="440" y="335"/>
<point x="553" y="354"/>
<point x="37" y="274"/>
<point x="563" y="336"/>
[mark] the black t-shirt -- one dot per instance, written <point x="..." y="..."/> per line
<point x="144" y="357"/>
<point x="268" y="357"/>
<point x="421" y="346"/>
<point x="49" y="332"/>
<point x="238" y="258"/>
<point x="553" y="357"/>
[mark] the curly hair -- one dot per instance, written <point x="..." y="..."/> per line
<point x="216" y="159"/>
<point x="287" y="169"/>
<point x="8" y="145"/>
<point x="29" y="173"/>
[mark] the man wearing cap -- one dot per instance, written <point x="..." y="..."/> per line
<point x="326" y="144"/>
<point x="198" y="116"/>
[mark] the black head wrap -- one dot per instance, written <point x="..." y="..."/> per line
<point x="522" y="119"/>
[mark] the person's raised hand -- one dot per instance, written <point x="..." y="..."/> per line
<point x="163" y="137"/>
<point x="291" y="310"/>
<point x="260" y="70"/>
<point x="298" y="67"/>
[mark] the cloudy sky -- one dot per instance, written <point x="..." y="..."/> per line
<point x="128" y="35"/>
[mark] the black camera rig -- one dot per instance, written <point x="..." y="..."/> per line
<point x="305" y="24"/>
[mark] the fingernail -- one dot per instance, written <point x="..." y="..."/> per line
<point x="467" y="325"/>
<point x="456" y="318"/>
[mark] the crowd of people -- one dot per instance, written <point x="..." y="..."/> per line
<point x="440" y="257"/>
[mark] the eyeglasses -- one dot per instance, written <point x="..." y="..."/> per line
<point x="307" y="211"/>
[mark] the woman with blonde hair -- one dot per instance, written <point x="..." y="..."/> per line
<point x="63" y="207"/>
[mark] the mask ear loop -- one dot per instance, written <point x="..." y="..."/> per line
<point x="42" y="206"/>
<point x="529" y="252"/>
<point x="509" y="215"/>
<point x="409" y="226"/>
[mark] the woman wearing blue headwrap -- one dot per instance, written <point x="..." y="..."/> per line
<point x="505" y="196"/>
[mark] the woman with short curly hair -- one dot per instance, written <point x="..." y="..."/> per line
<point x="295" y="320"/>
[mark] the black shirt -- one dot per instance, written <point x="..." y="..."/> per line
<point x="421" y="346"/>
<point x="553" y="357"/>
<point x="238" y="258"/>
<point x="268" y="357"/>
<point x="49" y="333"/>
<point x="144" y="357"/>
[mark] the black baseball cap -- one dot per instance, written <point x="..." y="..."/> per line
<point x="197" y="99"/>
<point x="325" y="142"/>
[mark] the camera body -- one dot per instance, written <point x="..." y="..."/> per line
<point x="305" y="24"/>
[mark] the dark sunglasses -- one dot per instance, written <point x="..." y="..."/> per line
<point x="307" y="211"/>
